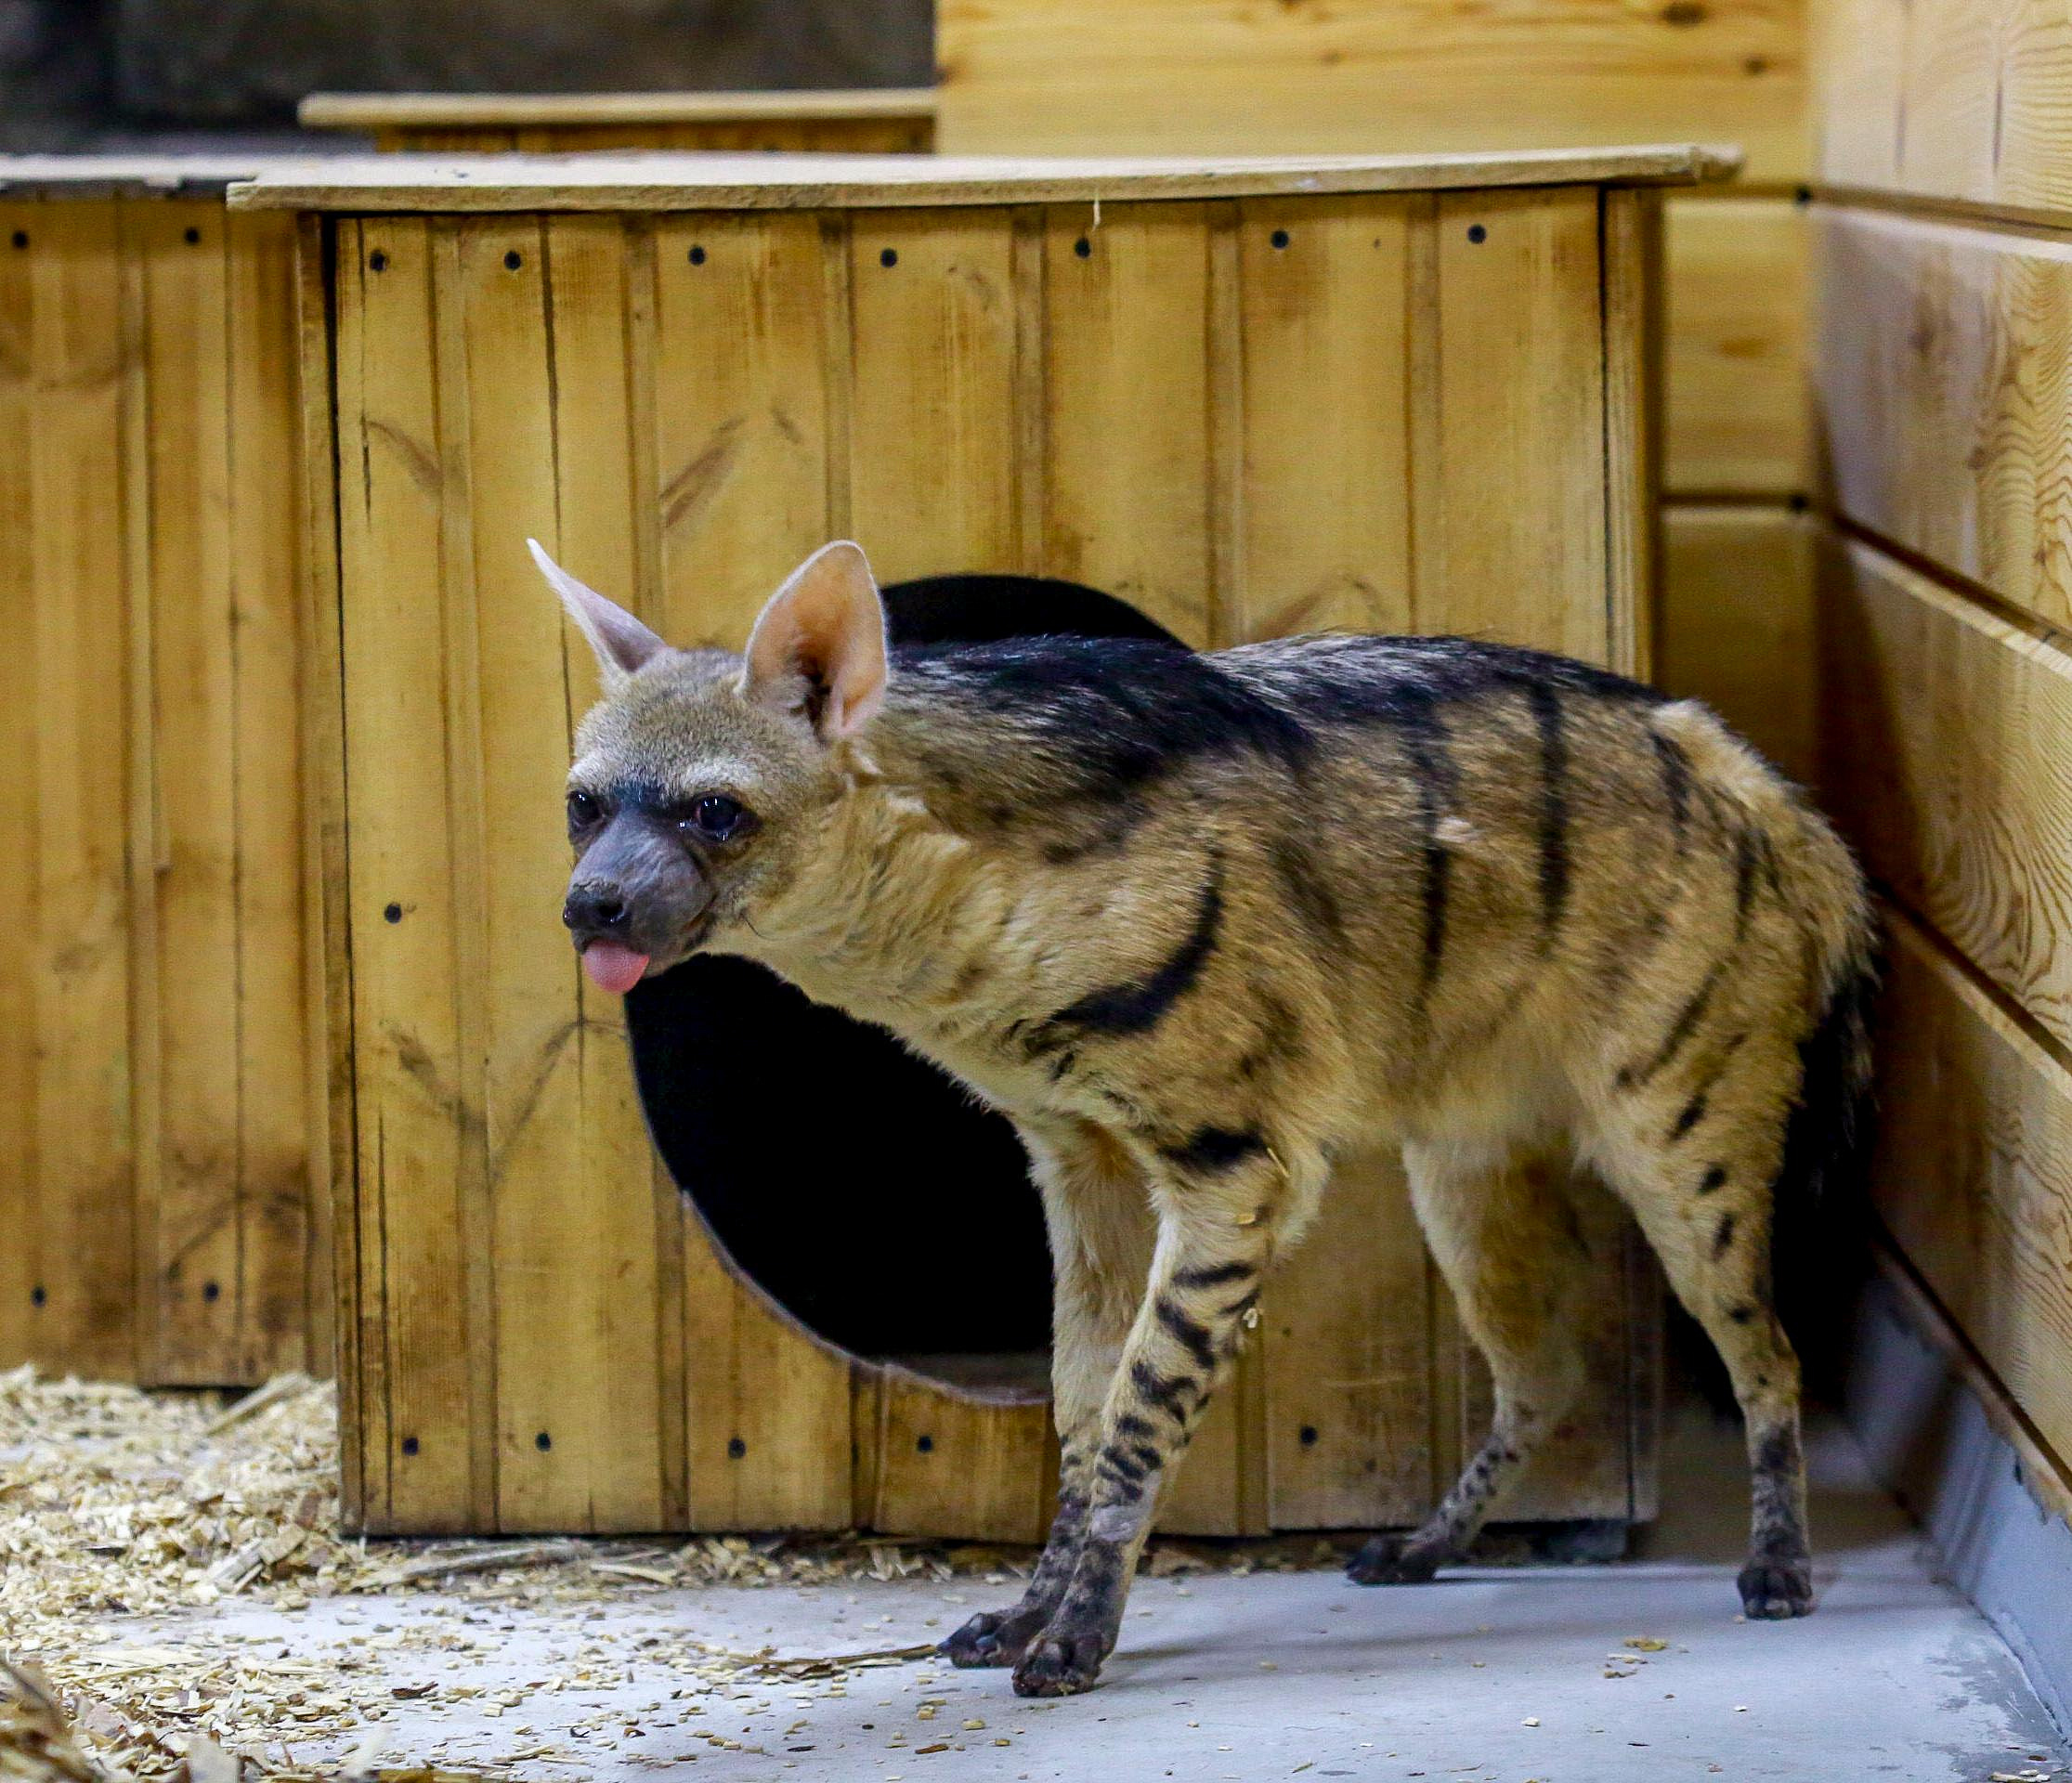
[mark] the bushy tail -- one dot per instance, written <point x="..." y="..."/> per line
<point x="1819" y="1224"/>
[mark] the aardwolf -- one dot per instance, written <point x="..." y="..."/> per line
<point x="1198" y="922"/>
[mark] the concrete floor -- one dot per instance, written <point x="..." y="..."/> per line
<point x="1487" y="1677"/>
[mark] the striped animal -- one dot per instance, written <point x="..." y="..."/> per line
<point x="1198" y="922"/>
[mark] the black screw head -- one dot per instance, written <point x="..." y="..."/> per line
<point x="925" y="1444"/>
<point x="391" y="913"/>
<point x="514" y="260"/>
<point x="211" y="1290"/>
<point x="378" y="260"/>
<point x="1279" y="237"/>
<point x="410" y="1445"/>
<point x="1476" y="233"/>
<point x="21" y="237"/>
<point x="1083" y="248"/>
<point x="1308" y="1435"/>
<point x="889" y="258"/>
<point x="542" y="1441"/>
<point x="736" y="1448"/>
<point x="1802" y="195"/>
<point x="698" y="256"/>
<point x="38" y="1294"/>
<point x="192" y="236"/>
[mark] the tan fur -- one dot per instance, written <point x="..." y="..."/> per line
<point x="1623" y="976"/>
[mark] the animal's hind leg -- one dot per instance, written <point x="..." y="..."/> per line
<point x="1506" y="1239"/>
<point x="1695" y="1165"/>
<point x="1099" y="1215"/>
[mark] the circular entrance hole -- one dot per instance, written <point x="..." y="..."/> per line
<point x="855" y="1184"/>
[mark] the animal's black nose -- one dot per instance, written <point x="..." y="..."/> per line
<point x="592" y="907"/>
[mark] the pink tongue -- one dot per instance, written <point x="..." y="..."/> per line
<point x="613" y="968"/>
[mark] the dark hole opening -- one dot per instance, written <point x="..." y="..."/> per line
<point x="938" y="1257"/>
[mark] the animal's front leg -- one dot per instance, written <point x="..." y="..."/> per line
<point x="1203" y="1285"/>
<point x="1097" y="1210"/>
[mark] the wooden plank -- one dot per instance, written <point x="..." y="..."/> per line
<point x="1739" y="406"/>
<point x="740" y="410"/>
<point x="420" y="1448"/>
<point x="283" y="1289"/>
<point x="1349" y="1361"/>
<point x="1940" y="367"/>
<point x="67" y="1178"/>
<point x="1126" y="505"/>
<point x="1633" y="322"/>
<point x="1945" y="754"/>
<point x="1520" y="523"/>
<point x="1972" y="1171"/>
<point x="774" y="136"/>
<point x="699" y="182"/>
<point x="1738" y="627"/>
<point x="327" y="995"/>
<point x="1958" y="101"/>
<point x="1325" y="458"/>
<point x="769" y="1419"/>
<point x="931" y="348"/>
<point x="950" y="1464"/>
<point x="191" y="1224"/>
<point x="1176" y="77"/>
<point x="368" y="111"/>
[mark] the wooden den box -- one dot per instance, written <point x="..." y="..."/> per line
<point x="1248" y="398"/>
<point x="874" y="120"/>
<point x="159" y="1193"/>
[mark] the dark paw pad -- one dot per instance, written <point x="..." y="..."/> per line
<point x="1058" y="1665"/>
<point x="990" y="1638"/>
<point x="1774" y="1590"/>
<point x="1393" y="1560"/>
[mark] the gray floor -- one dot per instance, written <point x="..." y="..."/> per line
<point x="1492" y="1676"/>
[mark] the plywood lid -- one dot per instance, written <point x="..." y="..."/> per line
<point x="728" y="182"/>
<point x="38" y="177"/>
<point x="521" y="110"/>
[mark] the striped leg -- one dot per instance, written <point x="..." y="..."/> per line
<point x="1099" y="1213"/>
<point x="1215" y="1235"/>
<point x="1507" y="1242"/>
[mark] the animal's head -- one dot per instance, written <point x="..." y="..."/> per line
<point x="702" y="779"/>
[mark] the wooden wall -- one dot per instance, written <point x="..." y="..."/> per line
<point x="1409" y="412"/>
<point x="1943" y="274"/>
<point x="155" y="1179"/>
<point x="1183" y="76"/>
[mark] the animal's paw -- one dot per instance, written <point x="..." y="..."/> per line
<point x="1059" y="1665"/>
<point x="991" y="1638"/>
<point x="1394" y="1560"/>
<point x="1774" y="1588"/>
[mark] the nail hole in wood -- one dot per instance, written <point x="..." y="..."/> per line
<point x="925" y="1444"/>
<point x="698" y="256"/>
<point x="211" y="1290"/>
<point x="38" y="1294"/>
<point x="391" y="913"/>
<point x="1476" y="232"/>
<point x="1309" y="1435"/>
<point x="889" y="258"/>
<point x="192" y="236"/>
<point x="21" y="237"/>
<point x="514" y="260"/>
<point x="378" y="260"/>
<point x="1280" y="238"/>
<point x="410" y="1445"/>
<point x="1083" y="248"/>
<point x="736" y="1448"/>
<point x="542" y="1441"/>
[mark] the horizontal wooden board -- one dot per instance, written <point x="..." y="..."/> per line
<point x="664" y="182"/>
<point x="1737" y="624"/>
<point x="1940" y="370"/>
<point x="1957" y="100"/>
<point x="517" y="110"/>
<point x="1176" y="76"/>
<point x="1946" y="745"/>
<point x="1739" y="415"/>
<point x="1973" y="1172"/>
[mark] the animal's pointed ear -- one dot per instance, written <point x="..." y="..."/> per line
<point x="621" y="643"/>
<point x="819" y="645"/>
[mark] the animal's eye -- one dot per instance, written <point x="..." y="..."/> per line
<point x="716" y="816"/>
<point x="583" y="810"/>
